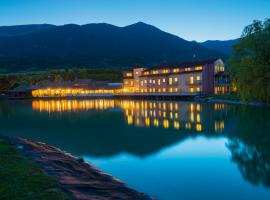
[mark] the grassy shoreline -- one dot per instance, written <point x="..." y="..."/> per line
<point x="35" y="170"/>
<point x="21" y="179"/>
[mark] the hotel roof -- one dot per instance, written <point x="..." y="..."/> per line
<point x="183" y="64"/>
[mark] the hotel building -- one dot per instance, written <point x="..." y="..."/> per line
<point x="201" y="77"/>
<point x="185" y="79"/>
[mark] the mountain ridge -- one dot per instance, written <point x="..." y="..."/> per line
<point x="94" y="45"/>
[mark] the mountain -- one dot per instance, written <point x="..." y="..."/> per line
<point x="23" y="29"/>
<point x="220" y="46"/>
<point x="94" y="45"/>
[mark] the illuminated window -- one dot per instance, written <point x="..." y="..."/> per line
<point x="216" y="90"/>
<point x="155" y="72"/>
<point x="198" y="68"/>
<point x="126" y="82"/>
<point x="136" y="73"/>
<point x="191" y="80"/>
<point x="146" y="73"/>
<point x="170" y="81"/>
<point x="198" y="89"/>
<point x="176" y="90"/>
<point x="145" y="81"/>
<point x="154" y="81"/>
<point x="131" y="83"/>
<point x="158" y="81"/>
<point x="170" y="89"/>
<point x="129" y="74"/>
<point x="191" y="89"/>
<point x="165" y="71"/>
<point x="187" y="69"/>
<point x="219" y="68"/>
<point x="154" y="89"/>
<point x="150" y="81"/>
<point x="150" y="90"/>
<point x="176" y="70"/>
<point x="175" y="79"/>
<point x="164" y="90"/>
<point x="159" y="90"/>
<point x="141" y="83"/>
<point x="163" y="80"/>
<point x="198" y="78"/>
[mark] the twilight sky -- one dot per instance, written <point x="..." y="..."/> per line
<point x="190" y="19"/>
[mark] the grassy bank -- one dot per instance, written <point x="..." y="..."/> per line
<point x="226" y="96"/>
<point x="222" y="96"/>
<point x="21" y="179"/>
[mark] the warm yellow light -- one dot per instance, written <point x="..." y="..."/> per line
<point x="176" y="125"/>
<point x="191" y="107"/>
<point x="165" y="123"/>
<point x="155" y="72"/>
<point x="192" y="116"/>
<point x="170" y="81"/>
<point x="198" y="117"/>
<point x="146" y="73"/>
<point x="176" y="70"/>
<point x="198" y="127"/>
<point x="191" y="80"/>
<point x="165" y="71"/>
<point x="198" y="68"/>
<point x="129" y="74"/>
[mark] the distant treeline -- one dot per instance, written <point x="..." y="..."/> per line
<point x="12" y="80"/>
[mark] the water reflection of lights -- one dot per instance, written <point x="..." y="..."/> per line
<point x="139" y="113"/>
<point x="71" y="105"/>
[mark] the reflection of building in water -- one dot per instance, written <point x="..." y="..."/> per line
<point x="175" y="115"/>
<point x="163" y="114"/>
<point x="71" y="105"/>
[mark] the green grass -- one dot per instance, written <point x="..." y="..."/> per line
<point x="233" y="96"/>
<point x="21" y="179"/>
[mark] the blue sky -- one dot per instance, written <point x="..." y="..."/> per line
<point x="190" y="19"/>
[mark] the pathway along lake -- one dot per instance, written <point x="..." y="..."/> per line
<point x="167" y="149"/>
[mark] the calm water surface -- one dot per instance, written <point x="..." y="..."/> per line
<point x="170" y="150"/>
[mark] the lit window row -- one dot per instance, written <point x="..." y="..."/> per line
<point x="192" y="89"/>
<point x="129" y="74"/>
<point x="219" y="68"/>
<point x="174" y="70"/>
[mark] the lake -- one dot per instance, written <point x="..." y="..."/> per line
<point x="167" y="149"/>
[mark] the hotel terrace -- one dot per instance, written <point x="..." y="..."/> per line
<point x="76" y="88"/>
<point x="185" y="79"/>
<point x="201" y="77"/>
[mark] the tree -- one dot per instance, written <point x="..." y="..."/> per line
<point x="250" y="63"/>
